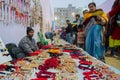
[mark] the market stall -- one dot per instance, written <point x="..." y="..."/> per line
<point x="58" y="62"/>
<point x="17" y="15"/>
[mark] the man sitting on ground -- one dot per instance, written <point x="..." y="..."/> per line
<point x="28" y="44"/>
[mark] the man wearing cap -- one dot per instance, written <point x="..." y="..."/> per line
<point x="28" y="44"/>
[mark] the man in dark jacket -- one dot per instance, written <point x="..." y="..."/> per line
<point x="28" y="44"/>
<point x="69" y="32"/>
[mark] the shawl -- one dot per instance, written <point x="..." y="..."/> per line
<point x="98" y="12"/>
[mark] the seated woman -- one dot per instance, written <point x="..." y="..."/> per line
<point x="28" y="44"/>
<point x="94" y="20"/>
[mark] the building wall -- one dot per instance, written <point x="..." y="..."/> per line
<point x="47" y="15"/>
<point x="13" y="32"/>
<point x="62" y="14"/>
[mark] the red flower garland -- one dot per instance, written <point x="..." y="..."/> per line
<point x="92" y="74"/>
<point x="82" y="62"/>
<point x="45" y="74"/>
<point x="49" y="63"/>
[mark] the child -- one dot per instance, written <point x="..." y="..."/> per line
<point x="80" y="38"/>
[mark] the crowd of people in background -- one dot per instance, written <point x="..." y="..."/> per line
<point x="97" y="33"/>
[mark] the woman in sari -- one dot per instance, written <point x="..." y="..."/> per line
<point x="94" y="21"/>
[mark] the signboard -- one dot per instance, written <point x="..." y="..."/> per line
<point x="4" y="54"/>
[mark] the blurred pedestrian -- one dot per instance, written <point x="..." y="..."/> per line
<point x="63" y="34"/>
<point x="114" y="27"/>
<point x="81" y="38"/>
<point x="77" y="23"/>
<point x="69" y="32"/>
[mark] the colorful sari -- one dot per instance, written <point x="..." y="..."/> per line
<point x="94" y="42"/>
<point x="94" y="35"/>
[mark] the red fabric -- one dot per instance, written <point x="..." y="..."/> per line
<point x="116" y="31"/>
<point x="115" y="10"/>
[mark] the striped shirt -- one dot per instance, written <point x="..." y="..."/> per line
<point x="81" y="37"/>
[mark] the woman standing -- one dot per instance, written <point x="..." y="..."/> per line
<point x="114" y="26"/>
<point x="94" y="21"/>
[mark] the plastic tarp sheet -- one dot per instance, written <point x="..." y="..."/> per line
<point x="107" y="5"/>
